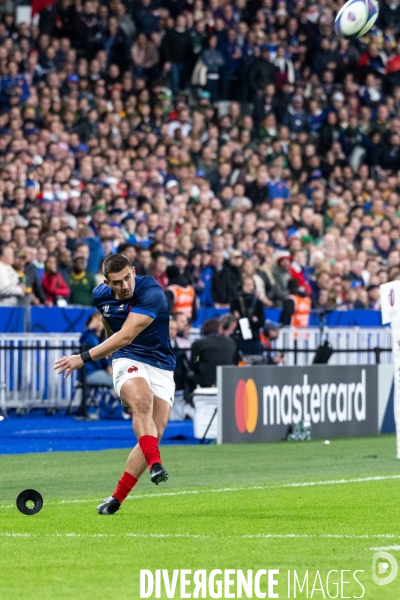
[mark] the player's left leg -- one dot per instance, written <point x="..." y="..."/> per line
<point x="136" y="464"/>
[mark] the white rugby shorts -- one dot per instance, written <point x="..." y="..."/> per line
<point x="161" y="382"/>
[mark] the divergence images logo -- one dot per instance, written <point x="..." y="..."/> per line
<point x="391" y="297"/>
<point x="381" y="573"/>
<point x="246" y="406"/>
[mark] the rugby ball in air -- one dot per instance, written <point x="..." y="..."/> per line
<point x="351" y="19"/>
<point x="373" y="12"/>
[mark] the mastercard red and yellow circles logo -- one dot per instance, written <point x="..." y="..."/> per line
<point x="246" y="406"/>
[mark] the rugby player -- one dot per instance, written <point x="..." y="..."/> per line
<point x="135" y="315"/>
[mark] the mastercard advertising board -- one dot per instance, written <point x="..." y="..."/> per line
<point x="263" y="403"/>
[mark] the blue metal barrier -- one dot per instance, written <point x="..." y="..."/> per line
<point x="12" y="319"/>
<point x="59" y="320"/>
<point x="336" y="318"/>
<point x="72" y="319"/>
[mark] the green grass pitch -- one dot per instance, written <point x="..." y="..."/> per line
<point x="224" y="507"/>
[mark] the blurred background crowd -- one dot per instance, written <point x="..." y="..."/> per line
<point x="239" y="152"/>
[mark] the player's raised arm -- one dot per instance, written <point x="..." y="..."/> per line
<point x="127" y="319"/>
<point x="135" y="323"/>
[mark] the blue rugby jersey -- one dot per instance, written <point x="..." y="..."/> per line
<point x="152" y="346"/>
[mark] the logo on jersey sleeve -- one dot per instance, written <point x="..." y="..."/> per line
<point x="133" y="370"/>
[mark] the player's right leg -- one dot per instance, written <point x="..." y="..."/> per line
<point x="136" y="464"/>
<point x="137" y="394"/>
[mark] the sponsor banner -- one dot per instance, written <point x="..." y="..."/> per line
<point x="257" y="404"/>
<point x="396" y="366"/>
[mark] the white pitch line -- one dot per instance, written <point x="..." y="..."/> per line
<point x="329" y="536"/>
<point x="246" y="489"/>
<point x="232" y="489"/>
<point x="105" y="535"/>
<point x="195" y="536"/>
<point x="385" y="548"/>
<point x="341" y="481"/>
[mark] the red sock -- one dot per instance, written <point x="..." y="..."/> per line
<point x="125" y="485"/>
<point x="149" y="447"/>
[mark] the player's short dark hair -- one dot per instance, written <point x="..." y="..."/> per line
<point x="115" y="263"/>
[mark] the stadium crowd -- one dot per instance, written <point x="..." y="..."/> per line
<point x="226" y="147"/>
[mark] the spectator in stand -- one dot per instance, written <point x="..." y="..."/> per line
<point x="374" y="297"/>
<point x="146" y="18"/>
<point x="183" y="338"/>
<point x="281" y="274"/>
<point x="232" y="58"/>
<point x="249" y="312"/>
<point x="116" y="45"/>
<point x="32" y="278"/>
<point x="13" y="84"/>
<point x="64" y="263"/>
<point x="216" y="348"/>
<point x="262" y="72"/>
<point x="19" y="268"/>
<point x="81" y="283"/>
<point x="296" y="307"/>
<point x="393" y="66"/>
<point x="296" y="118"/>
<point x="11" y="288"/>
<point x="322" y="283"/>
<point x="214" y="62"/>
<point x="41" y="257"/>
<point x="181" y="296"/>
<point x="297" y="271"/>
<point x="144" y="261"/>
<point x="145" y="56"/>
<point x="257" y="191"/>
<point x="160" y="265"/>
<point x="249" y="270"/>
<point x="177" y="51"/>
<point x="234" y="266"/>
<point x="218" y="289"/>
<point x="129" y="251"/>
<point x="271" y="333"/>
<point x="54" y="286"/>
<point x="170" y="243"/>
<point x="125" y="21"/>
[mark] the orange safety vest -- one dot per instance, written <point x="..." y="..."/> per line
<point x="183" y="299"/>
<point x="302" y="308"/>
